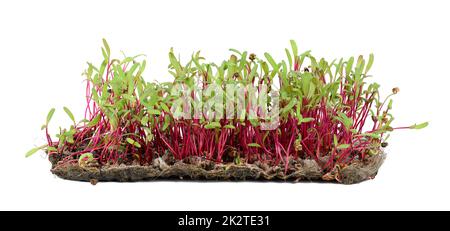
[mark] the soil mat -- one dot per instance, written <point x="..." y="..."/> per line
<point x="196" y="168"/>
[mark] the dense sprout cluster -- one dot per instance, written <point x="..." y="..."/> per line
<point x="324" y="111"/>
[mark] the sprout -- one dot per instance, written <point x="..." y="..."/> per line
<point x="323" y="109"/>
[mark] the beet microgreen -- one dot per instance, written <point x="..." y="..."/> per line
<point x="320" y="110"/>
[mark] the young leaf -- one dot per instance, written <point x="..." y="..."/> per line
<point x="289" y="107"/>
<point x="349" y="66"/>
<point x="235" y="51"/>
<point x="133" y="142"/>
<point x="165" y="107"/>
<point x="50" y="115"/>
<point x="229" y="126"/>
<point x="372" y="135"/>
<point x="144" y="120"/>
<point x="369" y="64"/>
<point x="154" y="112"/>
<point x="105" y="44"/>
<point x="51" y="149"/>
<point x="265" y="67"/>
<point x="254" y="145"/>
<point x="69" y="113"/>
<point x="105" y="55"/>
<point x="32" y="151"/>
<point x="94" y="121"/>
<point x="130" y="141"/>
<point x="343" y="146"/>
<point x="213" y="125"/>
<point x="294" y="48"/>
<point x="419" y="126"/>
<point x="347" y="122"/>
<point x="113" y="121"/>
<point x="271" y="61"/>
<point x="175" y="64"/>
<point x="306" y="120"/>
<point x="335" y="140"/>
<point x="288" y="54"/>
<point x="284" y="74"/>
<point x="137" y="145"/>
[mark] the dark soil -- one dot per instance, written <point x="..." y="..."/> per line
<point x="196" y="168"/>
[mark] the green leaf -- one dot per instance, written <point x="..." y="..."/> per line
<point x="213" y="125"/>
<point x="349" y="65"/>
<point x="254" y="122"/>
<point x="306" y="120"/>
<point x="130" y="141"/>
<point x="51" y="149"/>
<point x="373" y="135"/>
<point x="141" y="68"/>
<point x="148" y="133"/>
<point x="69" y="113"/>
<point x="154" y="112"/>
<point x="127" y="60"/>
<point x="289" y="107"/>
<point x="166" y="123"/>
<point x="299" y="113"/>
<point x="70" y="139"/>
<point x="32" y="151"/>
<point x="243" y="61"/>
<point x="265" y="67"/>
<point x="229" y="126"/>
<point x="335" y="140"/>
<point x="235" y="51"/>
<point x="105" y="54"/>
<point x="165" y="107"/>
<point x="294" y="48"/>
<point x="347" y="122"/>
<point x="175" y="64"/>
<point x="390" y="104"/>
<point x="133" y="142"/>
<point x="255" y="145"/>
<point x="94" y="121"/>
<point x="419" y="126"/>
<point x="369" y="64"/>
<point x="311" y="90"/>
<point x="284" y="74"/>
<point x="50" y="115"/>
<point x="105" y="44"/>
<point x="288" y="54"/>
<point x="306" y="81"/>
<point x="343" y="146"/>
<point x="271" y="61"/>
<point x="144" y="120"/>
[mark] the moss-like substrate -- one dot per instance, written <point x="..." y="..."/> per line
<point x="196" y="168"/>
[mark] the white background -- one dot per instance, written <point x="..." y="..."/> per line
<point x="44" y="46"/>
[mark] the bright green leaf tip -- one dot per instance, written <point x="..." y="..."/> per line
<point x="31" y="152"/>
<point x="50" y="115"/>
<point x="69" y="113"/>
<point x="255" y="145"/>
<point x="419" y="126"/>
